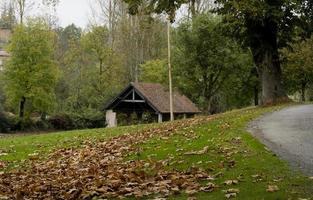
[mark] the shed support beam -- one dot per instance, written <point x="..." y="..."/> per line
<point x="160" y="118"/>
<point x="111" y="119"/>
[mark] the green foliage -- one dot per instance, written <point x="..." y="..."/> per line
<point x="249" y="20"/>
<point x="82" y="85"/>
<point x="298" y="65"/>
<point x="154" y="71"/>
<point x="31" y="72"/>
<point x="206" y="60"/>
<point x="97" y="41"/>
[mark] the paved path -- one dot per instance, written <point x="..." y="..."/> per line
<point x="288" y="133"/>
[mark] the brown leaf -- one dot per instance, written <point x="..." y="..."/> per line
<point x="230" y="195"/>
<point x="272" y="188"/>
<point x="231" y="182"/>
<point x="203" y="151"/>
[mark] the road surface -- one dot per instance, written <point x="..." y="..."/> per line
<point x="289" y="134"/>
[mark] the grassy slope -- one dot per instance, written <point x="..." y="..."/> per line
<point x="226" y="138"/>
<point x="16" y="149"/>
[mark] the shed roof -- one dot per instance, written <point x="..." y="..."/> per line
<point x="158" y="96"/>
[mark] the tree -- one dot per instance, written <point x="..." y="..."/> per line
<point x="7" y="15"/>
<point x="265" y="26"/>
<point x="81" y="87"/>
<point x="31" y="73"/>
<point x="22" y="6"/>
<point x="201" y="72"/>
<point x="298" y="66"/>
<point x="154" y="71"/>
<point x="97" y="40"/>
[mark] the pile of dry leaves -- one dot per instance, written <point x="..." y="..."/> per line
<point x="99" y="169"/>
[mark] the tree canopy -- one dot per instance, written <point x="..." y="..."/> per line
<point x="31" y="72"/>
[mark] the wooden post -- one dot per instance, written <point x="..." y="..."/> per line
<point x="170" y="69"/>
<point x="160" y="118"/>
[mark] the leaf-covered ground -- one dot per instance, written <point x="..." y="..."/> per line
<point x="201" y="158"/>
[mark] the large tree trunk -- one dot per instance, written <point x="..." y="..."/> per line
<point x="271" y="79"/>
<point x="264" y="46"/>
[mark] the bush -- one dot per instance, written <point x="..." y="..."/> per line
<point x="70" y="121"/>
<point x="5" y="124"/>
<point x="61" y="122"/>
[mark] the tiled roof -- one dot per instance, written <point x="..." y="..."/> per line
<point x="158" y="96"/>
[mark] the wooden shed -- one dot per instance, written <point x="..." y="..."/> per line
<point x="149" y="97"/>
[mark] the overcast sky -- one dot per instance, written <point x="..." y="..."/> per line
<point x="71" y="11"/>
<point x="74" y="11"/>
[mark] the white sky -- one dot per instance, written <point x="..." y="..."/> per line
<point x="79" y="12"/>
<point x="70" y="11"/>
<point x="73" y="11"/>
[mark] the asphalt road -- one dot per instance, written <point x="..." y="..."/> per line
<point x="289" y="134"/>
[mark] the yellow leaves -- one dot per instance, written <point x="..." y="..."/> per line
<point x="272" y="188"/>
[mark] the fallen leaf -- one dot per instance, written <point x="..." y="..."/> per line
<point x="208" y="188"/>
<point x="272" y="188"/>
<point x="231" y="182"/>
<point x="230" y="195"/>
<point x="231" y="190"/>
<point x="203" y="151"/>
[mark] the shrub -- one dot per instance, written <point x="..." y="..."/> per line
<point x="87" y="119"/>
<point x="61" y="122"/>
<point x="5" y="124"/>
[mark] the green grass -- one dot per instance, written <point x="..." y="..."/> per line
<point x="225" y="136"/>
<point x="228" y="141"/>
<point x="16" y="149"/>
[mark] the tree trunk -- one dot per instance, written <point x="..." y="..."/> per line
<point x="22" y="107"/>
<point x="263" y="38"/>
<point x="271" y="79"/>
<point x="256" y="95"/>
<point x="303" y="87"/>
<point x="266" y="58"/>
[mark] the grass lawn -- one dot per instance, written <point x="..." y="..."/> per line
<point x="14" y="150"/>
<point x="233" y="154"/>
<point x="229" y="153"/>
